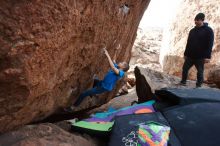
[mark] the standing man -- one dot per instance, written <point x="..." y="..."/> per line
<point x="198" y="49"/>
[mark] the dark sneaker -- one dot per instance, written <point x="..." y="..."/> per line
<point x="198" y="85"/>
<point x="182" y="83"/>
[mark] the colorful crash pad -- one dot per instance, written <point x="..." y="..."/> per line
<point x="153" y="134"/>
<point x="125" y="129"/>
<point x="94" y="125"/>
<point x="100" y="124"/>
<point x="146" y="107"/>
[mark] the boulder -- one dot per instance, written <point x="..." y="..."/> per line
<point x="44" y="135"/>
<point x="214" y="76"/>
<point x="50" y="49"/>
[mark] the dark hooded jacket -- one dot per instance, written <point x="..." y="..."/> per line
<point x="200" y="42"/>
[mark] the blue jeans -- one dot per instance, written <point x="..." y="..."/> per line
<point x="199" y="64"/>
<point x="97" y="89"/>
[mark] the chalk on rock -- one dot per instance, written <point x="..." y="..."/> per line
<point x="125" y="9"/>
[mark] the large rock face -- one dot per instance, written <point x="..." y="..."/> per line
<point x="172" y="58"/>
<point x="50" y="48"/>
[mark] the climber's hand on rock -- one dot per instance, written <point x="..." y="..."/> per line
<point x="118" y="47"/>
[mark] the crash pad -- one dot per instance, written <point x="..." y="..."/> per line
<point x="146" y="107"/>
<point x="94" y="125"/>
<point x="93" y="128"/>
<point x="196" y="124"/>
<point x="188" y="96"/>
<point x="125" y="129"/>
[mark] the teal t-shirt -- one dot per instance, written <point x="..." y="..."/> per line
<point x="111" y="78"/>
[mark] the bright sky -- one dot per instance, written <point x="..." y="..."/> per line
<point x="159" y="13"/>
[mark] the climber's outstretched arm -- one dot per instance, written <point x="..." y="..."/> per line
<point x="111" y="62"/>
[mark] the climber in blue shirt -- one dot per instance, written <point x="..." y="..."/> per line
<point x="116" y="72"/>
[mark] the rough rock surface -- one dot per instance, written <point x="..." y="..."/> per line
<point x="146" y="49"/>
<point x="172" y="58"/>
<point x="50" y="48"/>
<point x="214" y="76"/>
<point x="44" y="135"/>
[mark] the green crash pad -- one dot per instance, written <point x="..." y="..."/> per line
<point x="102" y="127"/>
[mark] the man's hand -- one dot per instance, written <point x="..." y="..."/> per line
<point x="206" y="60"/>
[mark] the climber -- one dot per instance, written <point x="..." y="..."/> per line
<point x="116" y="72"/>
<point x="198" y="49"/>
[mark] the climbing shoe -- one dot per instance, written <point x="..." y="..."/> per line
<point x="182" y="83"/>
<point x="198" y="85"/>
